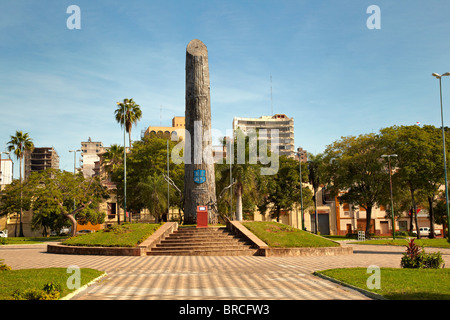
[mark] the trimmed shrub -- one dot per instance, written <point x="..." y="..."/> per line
<point x="415" y="257"/>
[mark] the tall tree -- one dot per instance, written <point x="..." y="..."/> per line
<point x="440" y="214"/>
<point x="148" y="159"/>
<point x="419" y="162"/>
<point x="243" y="173"/>
<point x="59" y="190"/>
<point x="153" y="194"/>
<point x="18" y="144"/>
<point x="284" y="187"/>
<point x="354" y="168"/>
<point x="112" y="158"/>
<point x="128" y="112"/>
<point x="14" y="197"/>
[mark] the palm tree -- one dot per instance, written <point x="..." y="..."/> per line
<point x="112" y="158"/>
<point x="153" y="194"/>
<point x="18" y="144"/>
<point x="244" y="175"/>
<point x="128" y="112"/>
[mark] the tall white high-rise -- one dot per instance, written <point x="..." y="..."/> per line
<point x="89" y="153"/>
<point x="6" y="171"/>
<point x="280" y="122"/>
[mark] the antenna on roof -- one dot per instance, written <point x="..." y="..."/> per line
<point x="271" y="101"/>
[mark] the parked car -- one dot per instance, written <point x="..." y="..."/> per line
<point x="425" y="232"/>
<point x="64" y="231"/>
<point x="3" y="234"/>
<point x="84" y="231"/>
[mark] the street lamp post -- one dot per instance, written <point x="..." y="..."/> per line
<point x="301" y="190"/>
<point x="438" y="76"/>
<point x="124" y="166"/>
<point x="74" y="168"/>
<point x="74" y="159"/>
<point x="390" y="186"/>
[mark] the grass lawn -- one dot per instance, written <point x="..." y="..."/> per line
<point x="125" y="235"/>
<point x="400" y="284"/>
<point x="438" y="243"/>
<point x="278" y="235"/>
<point x="31" y="240"/>
<point x="23" y="279"/>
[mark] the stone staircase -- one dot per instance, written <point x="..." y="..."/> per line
<point x="211" y="241"/>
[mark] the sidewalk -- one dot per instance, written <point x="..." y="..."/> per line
<point x="212" y="277"/>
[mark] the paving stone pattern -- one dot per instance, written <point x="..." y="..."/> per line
<point x="211" y="277"/>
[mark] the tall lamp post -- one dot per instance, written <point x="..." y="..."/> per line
<point x="390" y="186"/>
<point x="301" y="190"/>
<point x="124" y="115"/>
<point x="74" y="168"/>
<point x="438" y="76"/>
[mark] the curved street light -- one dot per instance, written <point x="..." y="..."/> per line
<point x="439" y="77"/>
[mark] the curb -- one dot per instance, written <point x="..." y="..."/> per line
<point x="72" y="294"/>
<point x="369" y="294"/>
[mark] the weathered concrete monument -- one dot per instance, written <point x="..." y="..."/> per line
<point x="199" y="178"/>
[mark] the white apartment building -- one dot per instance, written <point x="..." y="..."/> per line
<point x="280" y="122"/>
<point x="89" y="153"/>
<point x="6" y="172"/>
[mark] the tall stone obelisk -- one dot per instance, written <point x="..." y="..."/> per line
<point x="199" y="178"/>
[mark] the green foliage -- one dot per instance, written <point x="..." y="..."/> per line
<point x="50" y="291"/>
<point x="59" y="195"/>
<point x="269" y="194"/>
<point x="354" y="171"/>
<point x="415" y="257"/>
<point x="284" y="187"/>
<point x="4" y="267"/>
<point x="146" y="187"/>
<point x="129" y="113"/>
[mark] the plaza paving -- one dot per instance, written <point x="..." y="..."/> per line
<point x="212" y="277"/>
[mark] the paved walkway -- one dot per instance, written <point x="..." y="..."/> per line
<point x="212" y="277"/>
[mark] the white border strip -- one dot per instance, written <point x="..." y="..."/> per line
<point x="72" y="294"/>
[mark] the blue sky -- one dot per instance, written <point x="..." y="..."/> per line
<point x="329" y="71"/>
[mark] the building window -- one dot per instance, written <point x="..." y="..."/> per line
<point x="403" y="225"/>
<point x="111" y="210"/>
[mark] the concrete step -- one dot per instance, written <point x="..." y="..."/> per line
<point x="202" y="231"/>
<point x="204" y="247"/>
<point x="216" y="242"/>
<point x="202" y="241"/>
<point x="221" y="252"/>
